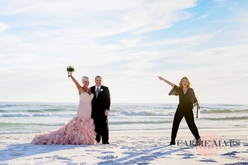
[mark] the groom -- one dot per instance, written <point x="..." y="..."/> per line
<point x="100" y="109"/>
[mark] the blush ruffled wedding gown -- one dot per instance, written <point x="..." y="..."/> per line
<point x="79" y="130"/>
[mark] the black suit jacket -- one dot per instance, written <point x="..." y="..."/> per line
<point x="101" y="103"/>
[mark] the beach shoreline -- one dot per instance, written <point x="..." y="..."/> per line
<point x="127" y="147"/>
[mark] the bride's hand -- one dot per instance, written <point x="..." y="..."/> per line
<point x="160" y="78"/>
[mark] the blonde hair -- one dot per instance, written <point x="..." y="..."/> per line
<point x="180" y="83"/>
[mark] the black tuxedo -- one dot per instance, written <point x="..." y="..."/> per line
<point x="99" y="105"/>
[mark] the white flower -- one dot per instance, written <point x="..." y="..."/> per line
<point x="101" y="90"/>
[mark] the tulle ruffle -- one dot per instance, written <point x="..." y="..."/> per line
<point x="76" y="131"/>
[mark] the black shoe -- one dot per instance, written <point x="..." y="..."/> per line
<point x="198" y="142"/>
<point x="105" y="143"/>
<point x="172" y="143"/>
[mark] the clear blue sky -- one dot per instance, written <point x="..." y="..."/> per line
<point x="129" y="43"/>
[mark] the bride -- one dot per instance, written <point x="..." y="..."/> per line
<point x="80" y="129"/>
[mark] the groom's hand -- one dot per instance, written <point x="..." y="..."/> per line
<point x="106" y="112"/>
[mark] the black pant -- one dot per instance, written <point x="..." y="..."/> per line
<point x="189" y="116"/>
<point x="101" y="129"/>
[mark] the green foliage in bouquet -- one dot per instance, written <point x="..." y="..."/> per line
<point x="70" y="69"/>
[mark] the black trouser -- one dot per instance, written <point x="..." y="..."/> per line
<point x="101" y="129"/>
<point x="189" y="117"/>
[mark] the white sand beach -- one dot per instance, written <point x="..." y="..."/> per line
<point x="130" y="148"/>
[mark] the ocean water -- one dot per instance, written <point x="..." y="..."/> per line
<point x="21" y="117"/>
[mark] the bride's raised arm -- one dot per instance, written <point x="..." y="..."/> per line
<point x="79" y="87"/>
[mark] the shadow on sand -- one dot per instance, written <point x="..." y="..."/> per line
<point x="15" y="151"/>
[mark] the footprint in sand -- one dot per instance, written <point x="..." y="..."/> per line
<point x="15" y="154"/>
<point x="61" y="158"/>
<point x="230" y="153"/>
<point x="207" y="160"/>
<point x="245" y="144"/>
<point x="107" y="162"/>
<point x="108" y="152"/>
<point x="108" y="157"/>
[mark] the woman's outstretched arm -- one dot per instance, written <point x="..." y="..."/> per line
<point x="76" y="83"/>
<point x="166" y="81"/>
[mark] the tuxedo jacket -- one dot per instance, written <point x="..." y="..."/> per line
<point x="101" y="103"/>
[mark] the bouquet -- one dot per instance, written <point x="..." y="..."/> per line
<point x="70" y="69"/>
